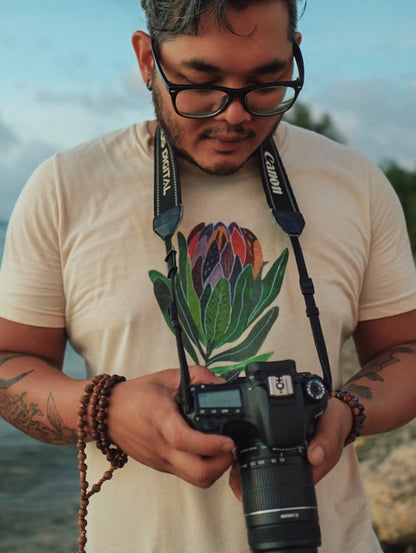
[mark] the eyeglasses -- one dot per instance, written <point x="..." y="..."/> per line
<point x="203" y="101"/>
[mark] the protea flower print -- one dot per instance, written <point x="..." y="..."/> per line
<point x="219" y="251"/>
<point x="222" y="295"/>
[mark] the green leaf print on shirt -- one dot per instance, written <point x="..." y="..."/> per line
<point x="224" y="295"/>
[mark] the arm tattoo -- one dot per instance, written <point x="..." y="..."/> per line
<point x="4" y="384"/>
<point x="361" y="391"/>
<point x="27" y="416"/>
<point x="374" y="368"/>
<point x="4" y="360"/>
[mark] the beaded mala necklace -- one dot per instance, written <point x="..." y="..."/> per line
<point x="96" y="399"/>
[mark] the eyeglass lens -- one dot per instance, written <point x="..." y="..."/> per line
<point x="263" y="101"/>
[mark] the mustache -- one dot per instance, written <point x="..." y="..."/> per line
<point x="234" y="130"/>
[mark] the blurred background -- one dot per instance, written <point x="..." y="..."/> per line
<point x="68" y="73"/>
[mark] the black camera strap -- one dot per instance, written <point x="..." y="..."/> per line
<point x="167" y="191"/>
<point x="285" y="211"/>
<point x="168" y="211"/>
<point x="167" y="216"/>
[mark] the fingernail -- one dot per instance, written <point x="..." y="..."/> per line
<point x="228" y="447"/>
<point x="316" y="455"/>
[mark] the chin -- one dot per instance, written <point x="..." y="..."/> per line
<point x="221" y="167"/>
<point x="217" y="164"/>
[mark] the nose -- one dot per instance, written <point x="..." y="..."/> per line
<point x="235" y="113"/>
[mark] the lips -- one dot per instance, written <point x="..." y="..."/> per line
<point x="229" y="138"/>
<point x="228" y="135"/>
<point x="227" y="141"/>
<point x="226" y="145"/>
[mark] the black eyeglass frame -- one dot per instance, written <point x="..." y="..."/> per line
<point x="233" y="93"/>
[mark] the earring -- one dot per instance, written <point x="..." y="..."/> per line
<point x="149" y="85"/>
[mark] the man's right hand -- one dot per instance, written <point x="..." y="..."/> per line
<point x="144" y="421"/>
<point x="143" y="417"/>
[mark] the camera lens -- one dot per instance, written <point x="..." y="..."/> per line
<point x="279" y="500"/>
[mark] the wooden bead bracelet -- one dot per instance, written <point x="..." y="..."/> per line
<point x="95" y="400"/>
<point x="357" y="410"/>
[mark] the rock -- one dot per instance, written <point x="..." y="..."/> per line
<point x="388" y="464"/>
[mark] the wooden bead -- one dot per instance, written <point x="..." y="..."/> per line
<point x="96" y="398"/>
<point x="357" y="411"/>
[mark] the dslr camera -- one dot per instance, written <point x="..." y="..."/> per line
<point x="271" y="414"/>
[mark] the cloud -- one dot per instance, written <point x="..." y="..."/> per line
<point x="104" y="101"/>
<point x="62" y="120"/>
<point x="101" y="103"/>
<point x="18" y="159"/>
<point x="8" y="138"/>
<point x="376" y="116"/>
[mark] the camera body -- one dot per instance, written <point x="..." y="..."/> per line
<point x="272" y="403"/>
<point x="271" y="414"/>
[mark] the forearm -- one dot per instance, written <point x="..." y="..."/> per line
<point x="386" y="386"/>
<point x="38" y="399"/>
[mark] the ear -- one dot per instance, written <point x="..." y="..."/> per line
<point x="143" y="50"/>
<point x="298" y="38"/>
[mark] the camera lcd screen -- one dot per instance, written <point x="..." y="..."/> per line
<point x="221" y="399"/>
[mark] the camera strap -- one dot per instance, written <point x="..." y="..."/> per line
<point x="168" y="210"/>
<point x="285" y="211"/>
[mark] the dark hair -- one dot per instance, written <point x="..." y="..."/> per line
<point x="169" y="18"/>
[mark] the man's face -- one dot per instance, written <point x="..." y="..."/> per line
<point x="258" y="51"/>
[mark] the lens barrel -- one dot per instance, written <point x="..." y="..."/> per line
<point x="279" y="500"/>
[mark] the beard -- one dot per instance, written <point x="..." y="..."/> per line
<point x="175" y="134"/>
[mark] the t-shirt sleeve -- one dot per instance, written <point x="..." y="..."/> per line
<point x="31" y="290"/>
<point x="389" y="286"/>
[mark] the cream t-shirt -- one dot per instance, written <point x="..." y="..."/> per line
<point x="79" y="250"/>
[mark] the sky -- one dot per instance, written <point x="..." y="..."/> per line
<point x="68" y="73"/>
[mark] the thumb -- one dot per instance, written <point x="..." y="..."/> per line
<point x="316" y="455"/>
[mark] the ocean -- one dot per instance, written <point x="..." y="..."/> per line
<point x="38" y="485"/>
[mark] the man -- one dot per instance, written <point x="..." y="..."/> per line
<point x="86" y="265"/>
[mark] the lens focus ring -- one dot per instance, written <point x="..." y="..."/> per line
<point x="279" y="500"/>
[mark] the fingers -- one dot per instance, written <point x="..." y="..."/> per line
<point x="316" y="454"/>
<point x="322" y="456"/>
<point x="145" y="422"/>
<point x="197" y="470"/>
<point x="234" y="480"/>
<point x="325" y="448"/>
<point x="176" y="431"/>
<point x="198" y="458"/>
<point x="202" y="375"/>
<point x="179" y="435"/>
